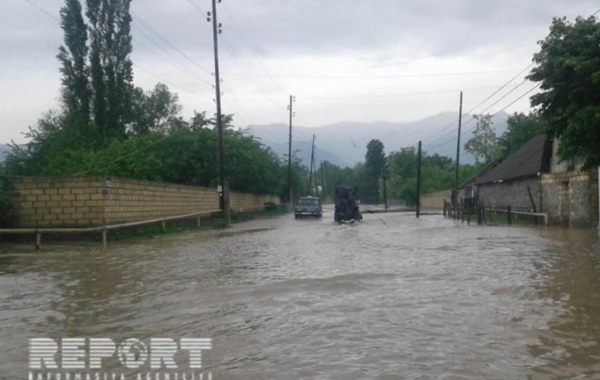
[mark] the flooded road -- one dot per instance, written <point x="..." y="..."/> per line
<point x="390" y="298"/>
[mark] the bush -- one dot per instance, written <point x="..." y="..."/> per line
<point x="8" y="211"/>
<point x="270" y="206"/>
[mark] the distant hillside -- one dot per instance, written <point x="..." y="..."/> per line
<point x="4" y="149"/>
<point x="347" y="141"/>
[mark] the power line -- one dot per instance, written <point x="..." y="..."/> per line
<point x="473" y="117"/>
<point x="169" y="82"/>
<point x="555" y="72"/>
<point x="236" y="58"/>
<point x="169" y="43"/>
<point x="250" y="49"/>
<point x="249" y="76"/>
<point x="43" y="10"/>
<point x="137" y="42"/>
<point x="400" y="94"/>
<point x="504" y="108"/>
<point x="485" y="100"/>
<point x="185" y="71"/>
<point x="377" y="76"/>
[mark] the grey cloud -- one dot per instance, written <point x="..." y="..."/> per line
<point x="310" y="27"/>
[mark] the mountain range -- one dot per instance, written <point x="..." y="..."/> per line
<point x="344" y="144"/>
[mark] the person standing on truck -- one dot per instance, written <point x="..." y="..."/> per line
<point x="340" y="195"/>
<point x="339" y="192"/>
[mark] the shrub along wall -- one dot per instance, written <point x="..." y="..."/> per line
<point x="94" y="201"/>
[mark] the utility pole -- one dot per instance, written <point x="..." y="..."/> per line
<point x="323" y="182"/>
<point x="312" y="160"/>
<point x="224" y="191"/>
<point x="385" y="204"/>
<point x="419" y="182"/>
<point x="292" y="100"/>
<point x="455" y="200"/>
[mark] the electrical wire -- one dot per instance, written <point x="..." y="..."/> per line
<point x="377" y="76"/>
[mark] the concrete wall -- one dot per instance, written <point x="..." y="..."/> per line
<point x="435" y="201"/>
<point x="571" y="198"/>
<point x="513" y="194"/>
<point x="91" y="201"/>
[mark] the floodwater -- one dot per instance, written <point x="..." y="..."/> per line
<point x="392" y="297"/>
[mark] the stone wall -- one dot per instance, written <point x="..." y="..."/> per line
<point x="513" y="194"/>
<point x="435" y="201"/>
<point x="571" y="198"/>
<point x="92" y="201"/>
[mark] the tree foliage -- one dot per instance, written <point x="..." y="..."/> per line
<point x="568" y="70"/>
<point x="484" y="143"/>
<point x="97" y="75"/>
<point x="375" y="162"/>
<point x="521" y="128"/>
<point x="438" y="174"/>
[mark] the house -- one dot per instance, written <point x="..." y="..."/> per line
<point x="533" y="179"/>
<point x="516" y="181"/>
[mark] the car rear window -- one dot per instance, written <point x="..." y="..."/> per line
<point x="308" y="202"/>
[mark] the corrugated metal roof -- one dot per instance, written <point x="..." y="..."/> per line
<point x="528" y="161"/>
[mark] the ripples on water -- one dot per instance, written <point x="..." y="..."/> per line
<point x="391" y="298"/>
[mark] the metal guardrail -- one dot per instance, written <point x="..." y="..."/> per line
<point x="103" y="229"/>
<point x="538" y="214"/>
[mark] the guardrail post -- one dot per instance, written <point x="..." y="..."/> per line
<point x="38" y="241"/>
<point x="445" y="208"/>
<point x="546" y="220"/>
<point x="509" y="216"/>
<point x="163" y="225"/>
<point x="104" y="240"/>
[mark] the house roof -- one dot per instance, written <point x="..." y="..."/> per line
<point x="531" y="159"/>
<point x="481" y="172"/>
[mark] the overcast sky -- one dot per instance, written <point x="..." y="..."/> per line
<point x="344" y="60"/>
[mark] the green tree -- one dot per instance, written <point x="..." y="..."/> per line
<point x="155" y="110"/>
<point x="110" y="66"/>
<point x="484" y="143"/>
<point x="374" y="164"/>
<point x="73" y="59"/>
<point x="521" y="128"/>
<point x="568" y="70"/>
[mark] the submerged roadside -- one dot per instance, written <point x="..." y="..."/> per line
<point x="214" y="221"/>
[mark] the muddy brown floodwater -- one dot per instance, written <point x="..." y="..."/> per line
<point x="390" y="298"/>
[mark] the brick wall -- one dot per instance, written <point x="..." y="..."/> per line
<point x="435" y="201"/>
<point x="134" y="200"/>
<point x="571" y="198"/>
<point x="90" y="201"/>
<point x="513" y="194"/>
<point x="60" y="202"/>
<point x="247" y="202"/>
